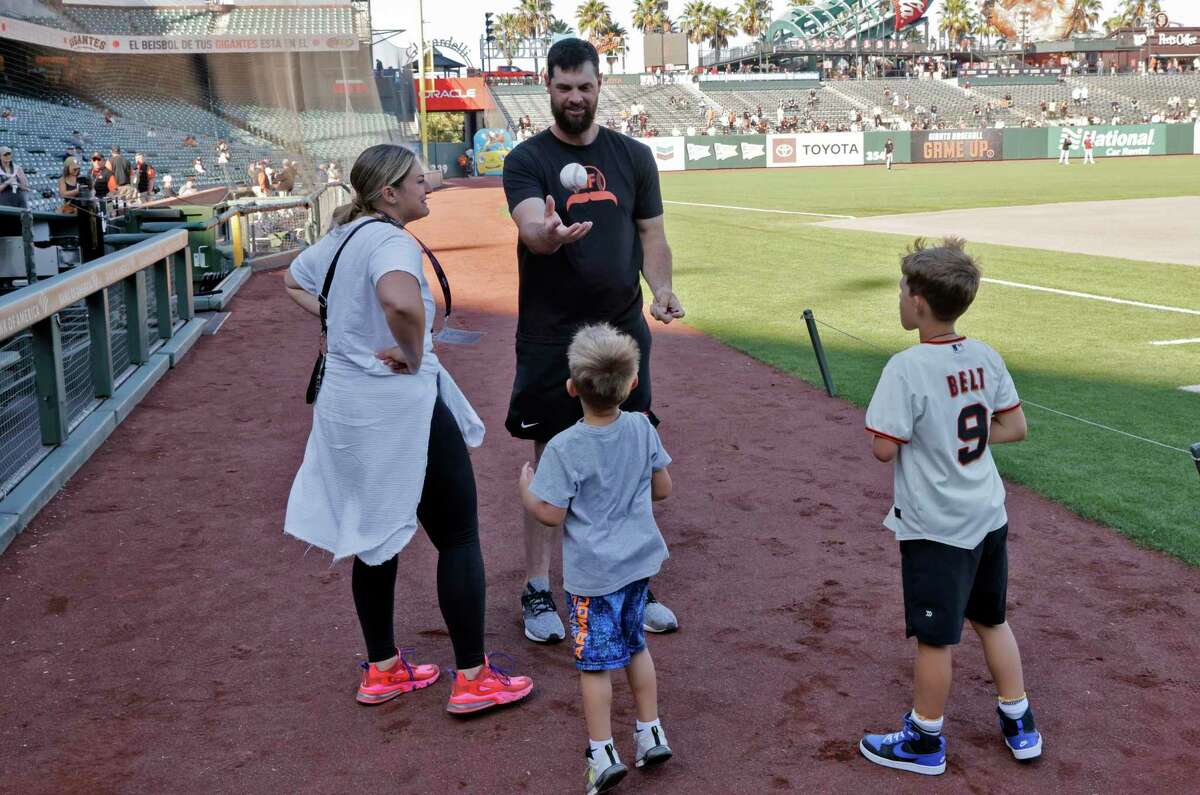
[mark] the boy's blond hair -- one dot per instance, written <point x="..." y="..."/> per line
<point x="603" y="364"/>
<point x="946" y="276"/>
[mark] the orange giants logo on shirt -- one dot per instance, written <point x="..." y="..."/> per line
<point x="595" y="190"/>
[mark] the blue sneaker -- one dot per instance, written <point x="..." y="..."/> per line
<point x="908" y="749"/>
<point x="1020" y="735"/>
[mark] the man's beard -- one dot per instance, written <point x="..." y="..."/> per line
<point x="569" y="125"/>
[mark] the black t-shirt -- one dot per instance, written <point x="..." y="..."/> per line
<point x="120" y="169"/>
<point x="889" y="147"/>
<point x="596" y="278"/>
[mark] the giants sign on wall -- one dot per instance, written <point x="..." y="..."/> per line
<point x="668" y="152"/>
<point x="815" y="149"/>
<point x="120" y="44"/>
<point x="455" y="93"/>
<point x="953" y="146"/>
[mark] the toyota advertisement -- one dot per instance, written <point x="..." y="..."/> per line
<point x="818" y="149"/>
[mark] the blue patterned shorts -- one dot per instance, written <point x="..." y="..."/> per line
<point x="607" y="630"/>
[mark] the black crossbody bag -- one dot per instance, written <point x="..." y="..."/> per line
<point x="318" y="373"/>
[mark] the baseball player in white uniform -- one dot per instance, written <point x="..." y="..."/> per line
<point x="937" y="409"/>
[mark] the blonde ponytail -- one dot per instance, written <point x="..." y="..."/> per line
<point x="376" y="168"/>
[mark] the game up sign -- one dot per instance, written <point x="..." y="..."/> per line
<point x="726" y="151"/>
<point x="956" y="146"/>
<point x="1133" y="140"/>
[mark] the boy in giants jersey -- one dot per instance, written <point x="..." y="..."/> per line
<point x="937" y="408"/>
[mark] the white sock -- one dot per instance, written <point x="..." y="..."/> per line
<point x="1014" y="709"/>
<point x="539" y="583"/>
<point x="643" y="726"/>
<point x="598" y="752"/>
<point x="926" y="725"/>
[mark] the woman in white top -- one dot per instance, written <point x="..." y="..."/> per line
<point x="13" y="183"/>
<point x="389" y="438"/>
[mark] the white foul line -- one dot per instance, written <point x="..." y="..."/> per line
<point x="760" y="210"/>
<point x="1106" y="298"/>
<point x="1176" y="342"/>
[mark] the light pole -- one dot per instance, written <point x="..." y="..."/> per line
<point x="424" y="115"/>
<point x="1024" y="16"/>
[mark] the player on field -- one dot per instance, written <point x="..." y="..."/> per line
<point x="937" y="408"/>
<point x="1089" y="148"/>
<point x="889" y="152"/>
<point x="1065" y="142"/>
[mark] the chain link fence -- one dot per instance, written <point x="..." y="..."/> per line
<point x="20" y="430"/>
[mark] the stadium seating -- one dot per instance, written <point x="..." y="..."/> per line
<point x="41" y="130"/>
<point x="321" y="134"/>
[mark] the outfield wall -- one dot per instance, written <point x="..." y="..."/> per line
<point x="703" y="152"/>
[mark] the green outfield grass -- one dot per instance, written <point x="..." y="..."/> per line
<point x="745" y="278"/>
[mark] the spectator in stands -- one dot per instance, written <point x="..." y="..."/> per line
<point x="101" y="176"/>
<point x="334" y="172"/>
<point x="167" y="191"/>
<point x="262" y="181"/>
<point x="108" y="116"/>
<point x="151" y="133"/>
<point x="68" y="186"/>
<point x="13" y="182"/>
<point x="143" y="177"/>
<point x="189" y="187"/>
<point x="121" y="172"/>
<point x="285" y="180"/>
<point x="7" y="114"/>
<point x="198" y="167"/>
<point x="190" y="141"/>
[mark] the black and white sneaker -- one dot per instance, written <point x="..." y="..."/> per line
<point x="657" y="617"/>
<point x="650" y="747"/>
<point x="605" y="772"/>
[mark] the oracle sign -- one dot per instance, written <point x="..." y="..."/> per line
<point x="455" y="93"/>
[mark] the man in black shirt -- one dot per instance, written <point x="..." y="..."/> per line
<point x="122" y="171"/>
<point x="581" y="254"/>
<point x="889" y="153"/>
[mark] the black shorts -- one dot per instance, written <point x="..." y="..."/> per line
<point x="945" y="584"/>
<point x="540" y="407"/>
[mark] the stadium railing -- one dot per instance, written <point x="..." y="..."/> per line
<point x="77" y="352"/>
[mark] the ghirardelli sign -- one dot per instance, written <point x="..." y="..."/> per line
<point x="86" y="43"/>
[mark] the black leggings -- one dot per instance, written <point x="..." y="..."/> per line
<point x="448" y="512"/>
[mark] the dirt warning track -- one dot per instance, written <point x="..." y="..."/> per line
<point x="158" y="632"/>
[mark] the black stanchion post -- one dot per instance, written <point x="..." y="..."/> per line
<point x="1196" y="455"/>
<point x="811" y="322"/>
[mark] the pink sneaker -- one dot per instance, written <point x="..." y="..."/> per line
<point x="491" y="687"/>
<point x="379" y="686"/>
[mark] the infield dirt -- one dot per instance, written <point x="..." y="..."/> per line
<point x="158" y="632"/>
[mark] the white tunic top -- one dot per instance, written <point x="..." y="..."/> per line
<point x="364" y="467"/>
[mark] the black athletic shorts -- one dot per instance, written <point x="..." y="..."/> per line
<point x="540" y="407"/>
<point x="945" y="584"/>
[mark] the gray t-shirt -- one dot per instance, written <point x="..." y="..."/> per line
<point x="601" y="475"/>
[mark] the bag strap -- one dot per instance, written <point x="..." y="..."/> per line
<point x="323" y="298"/>
<point x="437" y="269"/>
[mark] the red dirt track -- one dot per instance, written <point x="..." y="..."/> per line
<point x="159" y="633"/>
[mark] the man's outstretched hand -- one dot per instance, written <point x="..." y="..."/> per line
<point x="558" y="235"/>
<point x="666" y="307"/>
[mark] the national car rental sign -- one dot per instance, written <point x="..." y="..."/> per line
<point x="455" y="93"/>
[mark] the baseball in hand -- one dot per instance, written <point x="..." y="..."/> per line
<point x="573" y="177"/>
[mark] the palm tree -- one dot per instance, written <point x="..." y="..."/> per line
<point x="560" y="27"/>
<point x="754" y="17"/>
<point x="799" y="3"/>
<point x="957" y="19"/>
<point x="650" y="16"/>
<point x="509" y="34"/>
<point x="592" y="16"/>
<point x="535" y="16"/>
<point x="1084" y="16"/>
<point x="719" y="27"/>
<point x="695" y="14"/>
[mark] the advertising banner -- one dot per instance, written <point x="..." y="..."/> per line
<point x="873" y="143"/>
<point x="668" y="152"/>
<point x="1132" y="140"/>
<point x="815" y="149"/>
<point x="726" y="151"/>
<point x="491" y="147"/>
<point x="454" y="93"/>
<point x="956" y="146"/>
<point x="157" y="45"/>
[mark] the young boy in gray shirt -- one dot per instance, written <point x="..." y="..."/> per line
<point x="597" y="479"/>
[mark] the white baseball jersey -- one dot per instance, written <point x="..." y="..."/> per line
<point x="936" y="400"/>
